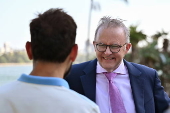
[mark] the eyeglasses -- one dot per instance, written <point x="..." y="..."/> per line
<point x="115" y="48"/>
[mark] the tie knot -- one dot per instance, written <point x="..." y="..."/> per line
<point x="109" y="75"/>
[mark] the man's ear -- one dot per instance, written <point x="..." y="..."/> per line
<point x="94" y="45"/>
<point x="74" y="52"/>
<point x="29" y="50"/>
<point x="128" y="46"/>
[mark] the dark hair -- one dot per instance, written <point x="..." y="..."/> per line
<point x="53" y="35"/>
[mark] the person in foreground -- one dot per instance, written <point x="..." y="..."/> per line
<point x="116" y="85"/>
<point x="44" y="90"/>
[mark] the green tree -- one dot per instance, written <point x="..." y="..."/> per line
<point x="135" y="37"/>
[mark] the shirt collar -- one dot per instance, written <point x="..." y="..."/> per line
<point x="120" y="70"/>
<point x="43" y="80"/>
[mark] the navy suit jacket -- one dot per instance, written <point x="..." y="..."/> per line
<point x="148" y="94"/>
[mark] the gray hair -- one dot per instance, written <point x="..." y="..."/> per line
<point x="109" y="22"/>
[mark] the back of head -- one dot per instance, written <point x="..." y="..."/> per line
<point x="107" y="22"/>
<point x="52" y="36"/>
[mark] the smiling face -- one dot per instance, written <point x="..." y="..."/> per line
<point x="109" y="36"/>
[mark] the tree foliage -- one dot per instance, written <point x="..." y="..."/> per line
<point x="18" y="56"/>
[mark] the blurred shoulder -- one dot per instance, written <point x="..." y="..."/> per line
<point x="83" y="102"/>
<point x="138" y="66"/>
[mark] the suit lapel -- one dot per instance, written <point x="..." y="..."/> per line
<point x="137" y="86"/>
<point x="89" y="80"/>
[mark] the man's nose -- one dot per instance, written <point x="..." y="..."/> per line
<point x="108" y="50"/>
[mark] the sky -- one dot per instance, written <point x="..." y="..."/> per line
<point x="15" y="15"/>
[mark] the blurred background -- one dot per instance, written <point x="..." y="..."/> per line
<point x="148" y="21"/>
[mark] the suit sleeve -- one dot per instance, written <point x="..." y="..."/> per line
<point x="162" y="101"/>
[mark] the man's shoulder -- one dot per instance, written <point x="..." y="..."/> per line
<point x="80" y="69"/>
<point x="136" y="65"/>
<point x="83" y="102"/>
<point x="79" y="97"/>
<point x="8" y="90"/>
<point x="7" y="86"/>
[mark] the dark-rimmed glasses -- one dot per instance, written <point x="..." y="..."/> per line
<point x="115" y="48"/>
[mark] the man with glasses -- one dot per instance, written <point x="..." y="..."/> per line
<point x="116" y="85"/>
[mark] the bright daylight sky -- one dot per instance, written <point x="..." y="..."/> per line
<point x="15" y="16"/>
